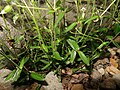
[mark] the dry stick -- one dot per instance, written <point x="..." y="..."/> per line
<point x="107" y="8"/>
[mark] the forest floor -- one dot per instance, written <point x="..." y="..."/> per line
<point x="104" y="76"/>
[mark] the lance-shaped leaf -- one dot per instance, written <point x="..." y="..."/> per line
<point x="36" y="76"/>
<point x="15" y="74"/>
<point x="84" y="58"/>
<point x="60" y="17"/>
<point x="47" y="65"/>
<point x="57" y="56"/>
<point x="102" y="45"/>
<point x="73" y="44"/>
<point x="72" y="57"/>
<point x="70" y="27"/>
<point x="91" y="19"/>
<point x="45" y="48"/>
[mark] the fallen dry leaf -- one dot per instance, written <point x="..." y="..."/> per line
<point x="112" y="70"/>
<point x="67" y="71"/>
<point x="66" y="82"/>
<point x="113" y="62"/>
<point x="77" y="87"/>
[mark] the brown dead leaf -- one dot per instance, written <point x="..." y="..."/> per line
<point x="77" y="87"/>
<point x="117" y="39"/>
<point x="67" y="71"/>
<point x="113" y="62"/>
<point x="112" y="70"/>
<point x="75" y="75"/>
<point x="33" y="86"/>
<point x="77" y="78"/>
<point x="66" y="82"/>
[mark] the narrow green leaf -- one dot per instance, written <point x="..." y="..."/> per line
<point x="60" y="17"/>
<point x="73" y="44"/>
<point x="115" y="43"/>
<point x="45" y="48"/>
<point x="58" y="2"/>
<point x="34" y="47"/>
<point x="73" y="56"/>
<point x="51" y="11"/>
<point x="95" y="56"/>
<point x="70" y="27"/>
<point x="36" y="76"/>
<point x="92" y="18"/>
<point x="10" y="75"/>
<point x="57" y="55"/>
<point x="15" y="18"/>
<point x="19" y="70"/>
<point x="22" y="63"/>
<point x="84" y="58"/>
<point x="17" y="74"/>
<point x="102" y="45"/>
<point x="47" y="66"/>
<point x="117" y="28"/>
<point x="44" y="61"/>
<point x="57" y="31"/>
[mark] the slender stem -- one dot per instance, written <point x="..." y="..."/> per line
<point x="107" y="8"/>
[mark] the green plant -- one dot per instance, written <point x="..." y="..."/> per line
<point x="52" y="44"/>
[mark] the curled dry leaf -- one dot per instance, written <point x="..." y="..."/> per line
<point x="67" y="71"/>
<point x="112" y="70"/>
<point x="113" y="62"/>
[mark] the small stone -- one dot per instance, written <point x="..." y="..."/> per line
<point x="114" y="48"/>
<point x="96" y="75"/>
<point x="108" y="84"/>
<point x="102" y="71"/>
<point x="116" y="78"/>
<point x="53" y="82"/>
<point x="110" y="49"/>
<point x="4" y="72"/>
<point x="99" y="66"/>
<point x="118" y="51"/>
<point x="113" y="53"/>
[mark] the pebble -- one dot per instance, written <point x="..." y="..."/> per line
<point x="108" y="84"/>
<point x="102" y="71"/>
<point x="118" y="51"/>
